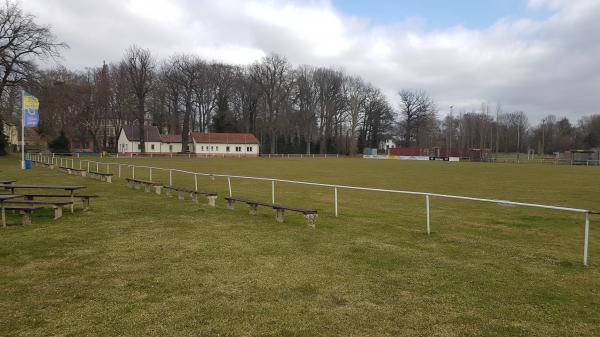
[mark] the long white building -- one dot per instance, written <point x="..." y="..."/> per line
<point x="201" y="144"/>
<point x="225" y="144"/>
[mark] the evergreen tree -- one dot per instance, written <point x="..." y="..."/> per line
<point x="60" y="144"/>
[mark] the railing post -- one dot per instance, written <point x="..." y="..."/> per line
<point x="133" y="172"/>
<point x="170" y="177"/>
<point x="88" y="165"/>
<point x="196" y="181"/>
<point x="229" y="185"/>
<point x="119" y="170"/>
<point x="336" y="200"/>
<point x="273" y="191"/>
<point x="107" y="167"/>
<point x="427" y="208"/>
<point x="151" y="174"/>
<point x="586" y="238"/>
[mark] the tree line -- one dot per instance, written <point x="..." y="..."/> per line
<point x="291" y="109"/>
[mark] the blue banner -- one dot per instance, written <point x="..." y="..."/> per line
<point x="31" y="114"/>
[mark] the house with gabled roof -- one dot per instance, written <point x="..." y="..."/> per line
<point x="129" y="139"/>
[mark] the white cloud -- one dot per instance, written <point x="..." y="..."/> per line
<point x="539" y="66"/>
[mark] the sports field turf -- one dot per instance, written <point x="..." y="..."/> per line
<point x="139" y="264"/>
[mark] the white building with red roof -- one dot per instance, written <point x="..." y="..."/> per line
<point x="225" y="144"/>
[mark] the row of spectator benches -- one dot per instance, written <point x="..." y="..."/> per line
<point x="309" y="214"/>
<point x="102" y="176"/>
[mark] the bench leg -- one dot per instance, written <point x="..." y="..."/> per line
<point x="83" y="173"/>
<point x="311" y="220"/>
<point x="26" y="217"/>
<point x="230" y="204"/>
<point x="158" y="189"/>
<point x="194" y="197"/>
<point x="109" y="179"/>
<point x="279" y="215"/>
<point x="146" y="188"/>
<point x="129" y="184"/>
<point x="52" y="167"/>
<point x="3" y="217"/>
<point x="168" y="192"/>
<point x="58" y="212"/>
<point x="211" y="200"/>
<point x="180" y="195"/>
<point x="252" y="208"/>
<point x="86" y="204"/>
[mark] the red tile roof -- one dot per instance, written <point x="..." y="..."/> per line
<point x="170" y="138"/>
<point x="224" y="138"/>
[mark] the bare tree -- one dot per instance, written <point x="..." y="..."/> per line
<point x="140" y="68"/>
<point x="22" y="41"/>
<point x="272" y="75"/>
<point x="415" y="108"/>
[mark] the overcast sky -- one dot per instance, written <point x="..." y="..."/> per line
<point x="538" y="56"/>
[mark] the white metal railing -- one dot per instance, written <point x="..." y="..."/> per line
<point x="427" y="195"/>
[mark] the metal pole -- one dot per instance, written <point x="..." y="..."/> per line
<point x="88" y="165"/>
<point x="119" y="170"/>
<point x="229" y="184"/>
<point x="196" y="181"/>
<point x="133" y="172"/>
<point x="586" y="238"/>
<point x="22" y="139"/>
<point x="170" y="177"/>
<point x="97" y="169"/>
<point x="151" y="174"/>
<point x="336" y="200"/>
<point x="427" y="207"/>
<point x="273" y="191"/>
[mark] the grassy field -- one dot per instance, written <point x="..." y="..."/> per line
<point x="139" y="264"/>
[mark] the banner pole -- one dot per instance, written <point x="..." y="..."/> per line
<point x="22" y="134"/>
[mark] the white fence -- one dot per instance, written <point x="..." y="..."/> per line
<point x="96" y="166"/>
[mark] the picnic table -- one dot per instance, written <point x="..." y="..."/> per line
<point x="70" y="189"/>
<point x="3" y="198"/>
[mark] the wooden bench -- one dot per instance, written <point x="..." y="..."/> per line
<point x="25" y="212"/>
<point x="101" y="176"/>
<point x="181" y="192"/>
<point x="71" y="170"/>
<point x="309" y="214"/>
<point x="85" y="199"/>
<point x="50" y="166"/>
<point x="7" y="181"/>
<point x="56" y="205"/>
<point x="137" y="183"/>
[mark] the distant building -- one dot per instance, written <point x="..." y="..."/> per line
<point x="225" y="144"/>
<point x="172" y="144"/>
<point x="12" y="134"/>
<point x="387" y="144"/>
<point x="129" y="139"/>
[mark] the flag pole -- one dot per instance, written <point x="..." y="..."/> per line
<point x="22" y="133"/>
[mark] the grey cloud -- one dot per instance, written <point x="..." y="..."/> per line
<point x="539" y="67"/>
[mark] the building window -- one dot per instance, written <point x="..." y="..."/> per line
<point x="152" y="146"/>
<point x="227" y="148"/>
<point x="211" y="148"/>
<point x="248" y="148"/>
<point x="188" y="147"/>
<point x="139" y="146"/>
<point x="201" y="148"/>
<point x="217" y="148"/>
<point x="238" y="149"/>
<point x="170" y="148"/>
